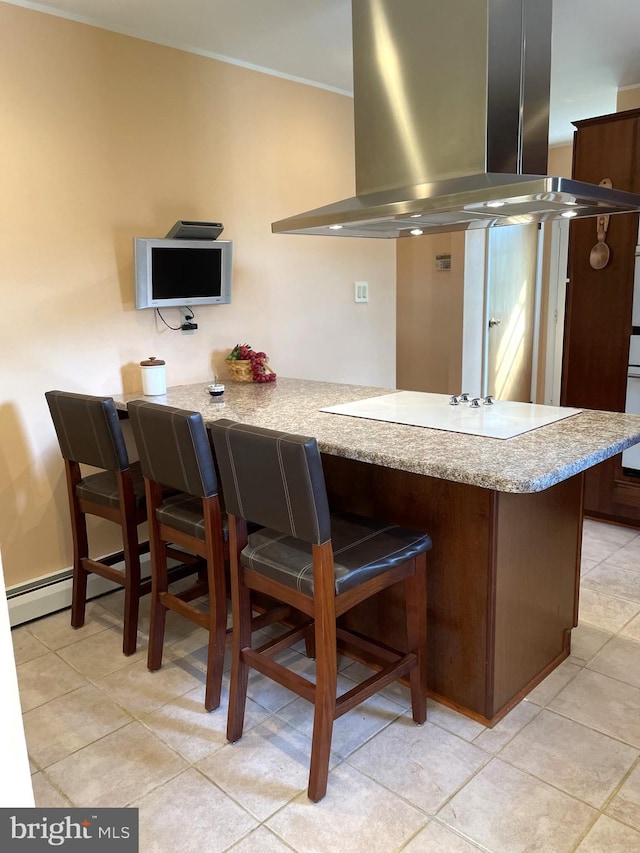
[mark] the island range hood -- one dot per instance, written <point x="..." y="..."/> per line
<point x="451" y="112"/>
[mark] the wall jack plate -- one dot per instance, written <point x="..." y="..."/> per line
<point x="187" y="323"/>
<point x="361" y="291"/>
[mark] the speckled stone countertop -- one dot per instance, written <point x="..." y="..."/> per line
<point x="529" y="462"/>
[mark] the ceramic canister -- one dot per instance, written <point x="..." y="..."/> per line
<point x="154" y="378"/>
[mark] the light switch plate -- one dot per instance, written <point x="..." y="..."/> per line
<point x="361" y="291"/>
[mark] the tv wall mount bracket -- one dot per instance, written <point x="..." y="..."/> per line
<point x="185" y="230"/>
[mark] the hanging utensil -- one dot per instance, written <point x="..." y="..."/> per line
<point x="600" y="253"/>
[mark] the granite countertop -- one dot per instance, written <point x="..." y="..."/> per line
<point x="530" y="462"/>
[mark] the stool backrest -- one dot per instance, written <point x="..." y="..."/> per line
<point x="173" y="447"/>
<point x="88" y="430"/>
<point x="272" y="478"/>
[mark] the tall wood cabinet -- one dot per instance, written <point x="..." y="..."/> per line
<point x="599" y="302"/>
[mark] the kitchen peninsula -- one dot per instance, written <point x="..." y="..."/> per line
<point x="505" y="517"/>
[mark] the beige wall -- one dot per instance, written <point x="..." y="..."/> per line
<point x="104" y="137"/>
<point x="429" y="314"/>
<point x="560" y="160"/>
<point x="628" y="99"/>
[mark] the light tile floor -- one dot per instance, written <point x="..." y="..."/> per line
<point x="560" y="773"/>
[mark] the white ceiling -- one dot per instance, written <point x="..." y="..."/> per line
<point x="595" y="47"/>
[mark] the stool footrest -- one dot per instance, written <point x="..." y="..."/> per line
<point x="198" y="589"/>
<point x="372" y="649"/>
<point x="269" y="617"/>
<point x="284" y="641"/>
<point x="104" y="570"/>
<point x="172" y="602"/>
<point x="373" y="684"/>
<point x="277" y="672"/>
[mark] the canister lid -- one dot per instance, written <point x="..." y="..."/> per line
<point x="152" y="361"/>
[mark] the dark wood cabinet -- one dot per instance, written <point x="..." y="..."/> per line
<point x="599" y="303"/>
<point x="503" y="576"/>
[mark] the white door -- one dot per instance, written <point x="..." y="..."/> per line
<point x="510" y="301"/>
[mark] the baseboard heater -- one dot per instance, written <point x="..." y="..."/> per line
<point x="48" y="594"/>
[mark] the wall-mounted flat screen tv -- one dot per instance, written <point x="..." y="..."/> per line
<point x="182" y="272"/>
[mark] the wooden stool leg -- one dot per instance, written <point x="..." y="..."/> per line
<point x="310" y="643"/>
<point x="217" y="586"/>
<point x="80" y="574"/>
<point x="159" y="579"/>
<point x="217" y="635"/>
<point x="158" y="615"/>
<point x="416" y="615"/>
<point x="241" y="598"/>
<point x="215" y="665"/>
<point x="80" y="547"/>
<point x="326" y="673"/>
<point x="131" y="587"/>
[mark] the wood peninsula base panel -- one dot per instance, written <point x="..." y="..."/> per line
<point x="503" y="579"/>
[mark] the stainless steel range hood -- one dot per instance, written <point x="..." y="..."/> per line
<point x="451" y="109"/>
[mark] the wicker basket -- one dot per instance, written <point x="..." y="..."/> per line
<point x="240" y="370"/>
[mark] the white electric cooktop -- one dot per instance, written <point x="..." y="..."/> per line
<point x="502" y="419"/>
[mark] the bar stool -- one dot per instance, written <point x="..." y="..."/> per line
<point x="175" y="452"/>
<point x="89" y="433"/>
<point x="323" y="564"/>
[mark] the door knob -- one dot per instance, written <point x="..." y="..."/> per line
<point x="494" y="322"/>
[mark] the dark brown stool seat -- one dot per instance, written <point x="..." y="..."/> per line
<point x="103" y="488"/>
<point x="320" y="563"/>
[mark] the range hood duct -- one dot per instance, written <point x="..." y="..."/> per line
<point x="451" y="111"/>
